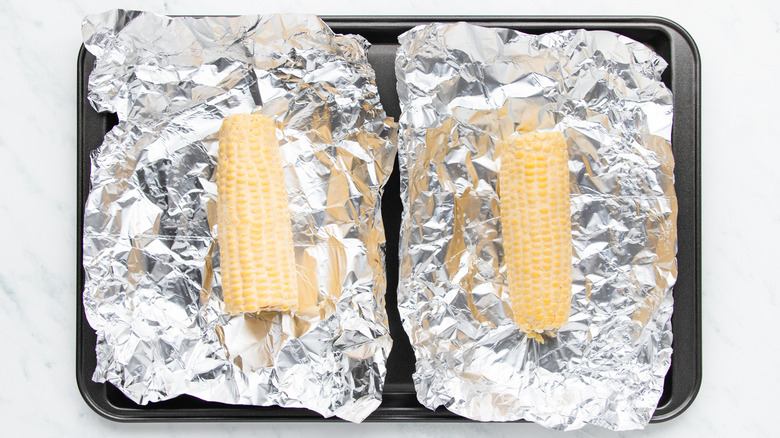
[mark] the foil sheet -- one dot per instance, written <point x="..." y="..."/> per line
<point x="151" y="257"/>
<point x="465" y="89"/>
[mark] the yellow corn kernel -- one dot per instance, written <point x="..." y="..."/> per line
<point x="255" y="235"/>
<point x="536" y="226"/>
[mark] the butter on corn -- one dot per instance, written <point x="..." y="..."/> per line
<point x="536" y="226"/>
<point x="255" y="234"/>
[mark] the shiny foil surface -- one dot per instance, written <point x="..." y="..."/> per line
<point x="465" y="89"/>
<point x="152" y="261"/>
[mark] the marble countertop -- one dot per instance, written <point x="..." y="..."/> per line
<point x="739" y="44"/>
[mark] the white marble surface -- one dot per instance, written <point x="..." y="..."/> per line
<point x="739" y="44"/>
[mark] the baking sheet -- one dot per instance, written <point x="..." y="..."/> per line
<point x="400" y="403"/>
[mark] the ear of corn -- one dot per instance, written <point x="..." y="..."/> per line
<point x="536" y="227"/>
<point x="255" y="234"/>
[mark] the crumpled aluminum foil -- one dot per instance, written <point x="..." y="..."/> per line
<point x="151" y="256"/>
<point x="463" y="90"/>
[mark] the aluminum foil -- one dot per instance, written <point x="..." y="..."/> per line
<point x="151" y="256"/>
<point x="465" y="89"/>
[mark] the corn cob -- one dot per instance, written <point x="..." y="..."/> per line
<point x="255" y="235"/>
<point x="536" y="226"/>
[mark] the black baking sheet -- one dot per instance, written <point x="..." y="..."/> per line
<point x="400" y="403"/>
